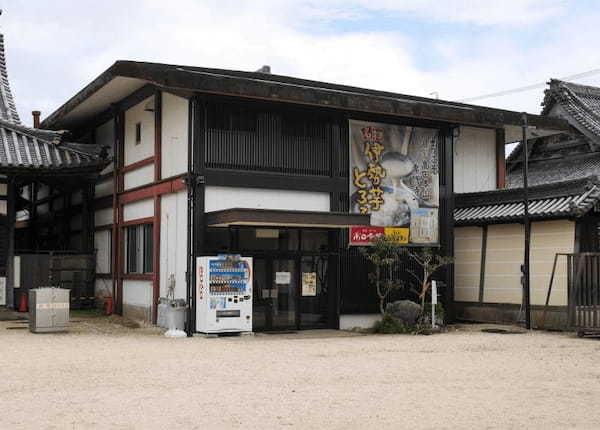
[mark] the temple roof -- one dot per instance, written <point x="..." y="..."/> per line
<point x="578" y="104"/>
<point x="8" y="109"/>
<point x="567" y="199"/>
<point x="24" y="149"/>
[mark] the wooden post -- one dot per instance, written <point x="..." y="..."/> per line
<point x="11" y="218"/>
<point x="500" y="159"/>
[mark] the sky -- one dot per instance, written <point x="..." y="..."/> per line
<point x="451" y="49"/>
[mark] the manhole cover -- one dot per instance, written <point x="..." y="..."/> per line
<point x="501" y="331"/>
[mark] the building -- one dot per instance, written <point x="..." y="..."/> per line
<point x="46" y="197"/>
<point x="210" y="161"/>
<point x="489" y="238"/>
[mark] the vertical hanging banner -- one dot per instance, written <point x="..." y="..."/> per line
<point x="394" y="176"/>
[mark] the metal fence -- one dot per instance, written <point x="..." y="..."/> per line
<point x="583" y="280"/>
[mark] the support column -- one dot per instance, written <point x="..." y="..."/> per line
<point x="11" y="219"/>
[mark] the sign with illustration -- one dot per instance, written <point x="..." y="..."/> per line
<point x="309" y="284"/>
<point x="394" y="176"/>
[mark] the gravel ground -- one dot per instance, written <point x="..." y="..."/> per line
<point x="102" y="375"/>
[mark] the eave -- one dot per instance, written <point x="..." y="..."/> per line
<point x="282" y="89"/>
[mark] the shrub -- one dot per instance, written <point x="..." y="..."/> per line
<point x="390" y="325"/>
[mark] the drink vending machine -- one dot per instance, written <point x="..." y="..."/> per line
<point x="224" y="294"/>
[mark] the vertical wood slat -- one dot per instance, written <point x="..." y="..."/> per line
<point x="484" y="233"/>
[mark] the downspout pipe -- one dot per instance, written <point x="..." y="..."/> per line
<point x="190" y="216"/>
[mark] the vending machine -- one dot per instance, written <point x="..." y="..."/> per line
<point x="223" y="294"/>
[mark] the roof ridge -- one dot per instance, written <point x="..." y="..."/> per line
<point x="8" y="107"/>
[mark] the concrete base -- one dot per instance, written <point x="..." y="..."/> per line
<point x="137" y="313"/>
<point x="500" y="313"/>
<point x="362" y="321"/>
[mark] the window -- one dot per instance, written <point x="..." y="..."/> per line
<point x="138" y="133"/>
<point x="139" y="248"/>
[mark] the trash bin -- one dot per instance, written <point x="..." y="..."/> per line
<point x="48" y="309"/>
<point x="171" y="313"/>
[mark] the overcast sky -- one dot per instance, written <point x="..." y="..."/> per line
<point x="457" y="48"/>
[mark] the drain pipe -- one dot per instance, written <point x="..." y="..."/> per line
<point x="190" y="213"/>
<point x="526" y="221"/>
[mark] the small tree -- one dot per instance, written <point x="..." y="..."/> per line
<point x="429" y="260"/>
<point x="383" y="254"/>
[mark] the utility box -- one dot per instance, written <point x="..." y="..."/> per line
<point x="48" y="309"/>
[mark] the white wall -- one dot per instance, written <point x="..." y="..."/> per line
<point x="363" y="321"/>
<point x="218" y="198"/>
<point x="138" y="177"/>
<point x="102" y="244"/>
<point x="139" y="209"/>
<point x="145" y="148"/>
<point x="173" y="242"/>
<point x="103" y="217"/>
<point x="104" y="188"/>
<point x="174" y="135"/>
<point x="474" y="160"/>
<point x="137" y="299"/>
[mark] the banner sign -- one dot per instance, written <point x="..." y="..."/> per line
<point x="394" y="177"/>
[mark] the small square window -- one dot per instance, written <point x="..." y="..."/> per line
<point x="138" y="133"/>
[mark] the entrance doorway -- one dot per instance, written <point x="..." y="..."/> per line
<point x="294" y="274"/>
<point x="290" y="293"/>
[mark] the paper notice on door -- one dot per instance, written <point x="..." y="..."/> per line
<point x="309" y="284"/>
<point x="283" y="278"/>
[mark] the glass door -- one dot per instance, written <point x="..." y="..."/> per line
<point x="314" y="297"/>
<point x="284" y="294"/>
<point x="275" y="294"/>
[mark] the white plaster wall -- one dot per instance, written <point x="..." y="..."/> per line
<point x="105" y="136"/>
<point x="139" y="209"/>
<point x="364" y="321"/>
<point x="173" y="242"/>
<point x="142" y="176"/>
<point x="139" y="294"/>
<point x="174" y="135"/>
<point x="145" y="148"/>
<point x="218" y="198"/>
<point x="104" y="188"/>
<point x="103" y="250"/>
<point x="474" y="160"/>
<point x="103" y="217"/>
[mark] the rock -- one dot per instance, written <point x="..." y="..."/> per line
<point x="406" y="311"/>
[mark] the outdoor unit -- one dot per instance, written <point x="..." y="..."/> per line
<point x="48" y="309"/>
<point x="223" y="294"/>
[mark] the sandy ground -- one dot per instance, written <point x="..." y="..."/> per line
<point x="105" y="376"/>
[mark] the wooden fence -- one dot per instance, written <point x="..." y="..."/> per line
<point x="583" y="280"/>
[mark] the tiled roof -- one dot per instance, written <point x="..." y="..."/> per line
<point x="8" y="109"/>
<point x="557" y="169"/>
<point x="562" y="200"/>
<point x="23" y="148"/>
<point x="581" y="103"/>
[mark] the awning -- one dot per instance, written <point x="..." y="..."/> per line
<point x="285" y="218"/>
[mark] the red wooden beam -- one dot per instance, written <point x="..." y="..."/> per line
<point x="138" y="164"/>
<point x="148" y="191"/>
<point x="138" y="221"/>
